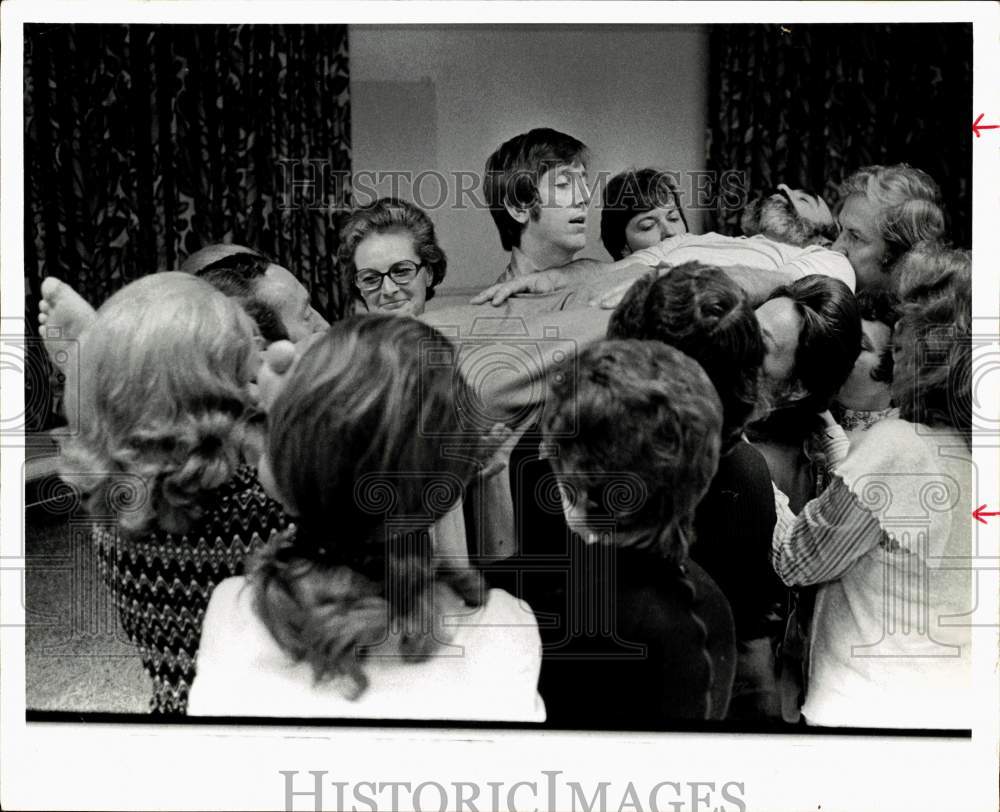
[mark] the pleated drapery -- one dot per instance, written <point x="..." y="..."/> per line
<point x="807" y="105"/>
<point x="144" y="143"/>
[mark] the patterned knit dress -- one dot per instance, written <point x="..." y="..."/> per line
<point x="161" y="582"/>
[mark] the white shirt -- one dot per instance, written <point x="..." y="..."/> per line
<point x="753" y="252"/>
<point x="487" y="671"/>
<point x="889" y="540"/>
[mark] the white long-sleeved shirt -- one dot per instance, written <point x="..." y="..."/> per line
<point x="890" y="543"/>
<point x="486" y="669"/>
<point x="753" y="252"/>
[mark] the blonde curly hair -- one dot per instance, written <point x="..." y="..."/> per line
<point x="162" y="402"/>
<point x="908" y="202"/>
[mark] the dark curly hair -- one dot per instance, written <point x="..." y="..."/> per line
<point x="829" y="343"/>
<point x="830" y="338"/>
<point x="636" y="427"/>
<point x="389" y="215"/>
<point x="702" y="312"/>
<point x="881" y="305"/>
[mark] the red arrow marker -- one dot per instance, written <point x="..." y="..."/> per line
<point x="976" y="127"/>
<point x="979" y="512"/>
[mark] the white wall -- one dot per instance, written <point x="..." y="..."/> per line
<point x="442" y="98"/>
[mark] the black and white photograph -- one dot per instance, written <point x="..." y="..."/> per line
<point x="602" y="381"/>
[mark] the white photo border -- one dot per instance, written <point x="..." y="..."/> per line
<point x="113" y="766"/>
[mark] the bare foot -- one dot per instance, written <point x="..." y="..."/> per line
<point x="63" y="316"/>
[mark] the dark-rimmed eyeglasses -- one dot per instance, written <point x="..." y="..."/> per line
<point x="368" y="280"/>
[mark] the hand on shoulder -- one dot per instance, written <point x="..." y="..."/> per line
<point x="538" y="282"/>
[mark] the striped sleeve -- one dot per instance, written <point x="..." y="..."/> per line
<point x="783" y="516"/>
<point x="826" y="538"/>
<point x="834" y="444"/>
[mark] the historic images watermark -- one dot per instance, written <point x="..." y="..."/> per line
<point x="315" y="184"/>
<point x="317" y="789"/>
<point x="43" y="366"/>
<point x="491" y="354"/>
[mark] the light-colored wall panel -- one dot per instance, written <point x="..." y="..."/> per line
<point x="431" y="102"/>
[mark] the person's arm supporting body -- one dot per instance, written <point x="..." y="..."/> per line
<point x="832" y="441"/>
<point x="885" y="474"/>
<point x="506" y="357"/>
<point x="826" y="538"/>
<point x="575" y="276"/>
<point x="604" y="284"/>
<point x="585" y="276"/>
<point x="818" y="260"/>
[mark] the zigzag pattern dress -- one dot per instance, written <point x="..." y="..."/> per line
<point x="161" y="582"/>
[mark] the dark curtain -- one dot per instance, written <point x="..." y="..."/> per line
<point x="144" y="143"/>
<point x="809" y="104"/>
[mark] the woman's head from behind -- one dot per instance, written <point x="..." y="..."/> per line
<point x="390" y="253"/>
<point x="932" y="344"/>
<point x="702" y="312"/>
<point x="367" y="410"/>
<point x="169" y="363"/>
<point x="357" y="452"/>
<point x="636" y="429"/>
<point x="641" y="208"/>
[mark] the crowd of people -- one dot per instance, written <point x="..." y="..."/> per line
<point x="729" y="477"/>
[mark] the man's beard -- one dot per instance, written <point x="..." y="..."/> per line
<point x="775" y="218"/>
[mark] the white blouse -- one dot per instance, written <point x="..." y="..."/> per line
<point x="487" y="670"/>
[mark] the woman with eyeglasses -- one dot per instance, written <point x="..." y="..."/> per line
<point x="391" y="255"/>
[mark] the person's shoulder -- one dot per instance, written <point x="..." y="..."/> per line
<point x="711" y="602"/>
<point x="659" y="609"/>
<point x="743" y="457"/>
<point x="713" y="237"/>
<point x="503" y="649"/>
<point x="229" y="621"/>
<point x="502" y="608"/>
<point x="887" y="433"/>
<point x="893" y="437"/>
<point x="501" y="627"/>
<point x="818" y="259"/>
<point x="658" y="253"/>
<point x="891" y="446"/>
<point x="229" y="597"/>
<point x="705" y="586"/>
